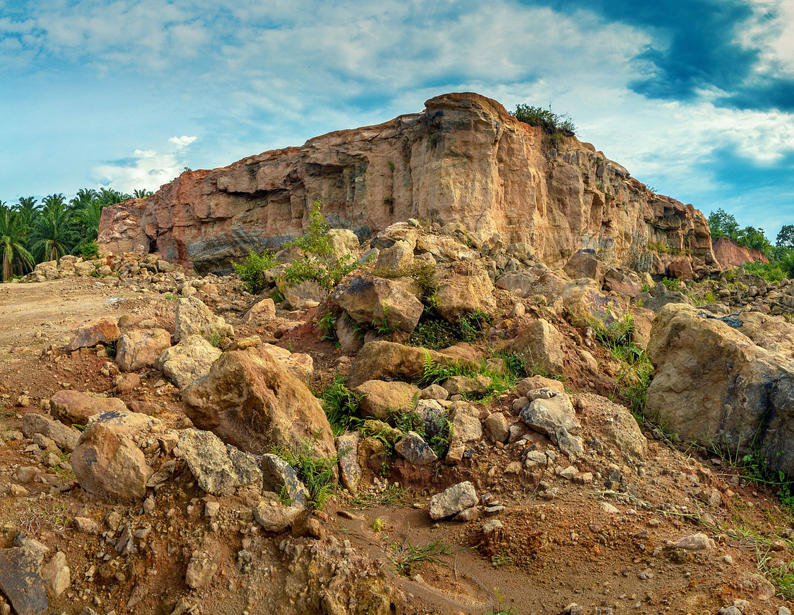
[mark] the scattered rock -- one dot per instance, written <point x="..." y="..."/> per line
<point x="377" y="300"/>
<point x="349" y="469"/>
<point x="57" y="574"/>
<point x="496" y="427"/>
<point x="104" y="331"/>
<point x="193" y="317"/>
<point x="415" y="450"/>
<point x="274" y="517"/>
<point x="21" y="581"/>
<point x="453" y="500"/>
<point x="695" y="542"/>
<point x="541" y="346"/>
<point x="219" y="468"/>
<point x="76" y="408"/>
<point x="202" y="567"/>
<point x="141" y="348"/>
<point x="189" y="360"/>
<point x="280" y="477"/>
<point x="383" y="400"/>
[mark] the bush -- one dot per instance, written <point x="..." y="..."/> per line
<point x="771" y="272"/>
<point x="315" y="472"/>
<point x="554" y="125"/>
<point x="89" y="250"/>
<point x="341" y="406"/>
<point x="252" y="270"/>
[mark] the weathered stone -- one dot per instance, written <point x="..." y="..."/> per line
<point x="464" y="288"/>
<point x="219" y="468"/>
<point x="261" y="311"/>
<point x="273" y="517"/>
<point x="585" y="302"/>
<point x="188" y="361"/>
<point x="377" y="300"/>
<point x="496" y="427"/>
<point x="623" y="282"/>
<point x="547" y="415"/>
<point x="538" y="382"/>
<point x="415" y="450"/>
<point x="104" y="331"/>
<point x="584" y="264"/>
<point x="107" y="462"/>
<point x="434" y="391"/>
<point x="396" y="258"/>
<point x="21" y="581"/>
<point x="76" y="408"/>
<point x="280" y="477"/>
<point x="695" y="542"/>
<point x="541" y="346"/>
<point x="349" y="334"/>
<point x="65" y="437"/>
<point x="202" y="567"/>
<point x="465" y="427"/>
<point x="57" y="574"/>
<point x="193" y="317"/>
<point x="252" y="402"/>
<point x="453" y="500"/>
<point x="349" y="469"/>
<point x="383" y="400"/>
<point x="141" y="348"/>
<point x="464" y="385"/>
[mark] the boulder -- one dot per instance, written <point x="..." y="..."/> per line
<point x="464" y="288"/>
<point x="254" y="403"/>
<point x="396" y="258"/>
<point x="274" y="517"/>
<point x="714" y="385"/>
<point x="193" y="317"/>
<point x="104" y="331"/>
<point x="260" y="311"/>
<point x="65" y="437"/>
<point x="383" y="400"/>
<point x="280" y="477"/>
<point x="21" y="581"/>
<point x="538" y="382"/>
<point x="465" y="385"/>
<point x="141" y="348"/>
<point x="380" y="360"/>
<point x="453" y="500"/>
<point x="349" y="469"/>
<point x="76" y="408"/>
<point x="551" y="413"/>
<point x="189" y="360"/>
<point x="106" y="460"/>
<point x="343" y="241"/>
<point x="623" y="282"/>
<point x="415" y="450"/>
<point x="659" y="296"/>
<point x="465" y="428"/>
<point x="585" y="302"/>
<point x="57" y="574"/>
<point x="541" y="346"/>
<point x="301" y="365"/>
<point x="219" y="468"/>
<point x="496" y="427"/>
<point x="377" y="300"/>
<point x="584" y="264"/>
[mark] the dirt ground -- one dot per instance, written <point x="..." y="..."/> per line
<point x="603" y="548"/>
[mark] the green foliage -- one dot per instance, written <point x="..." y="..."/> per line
<point x="315" y="472"/>
<point x="615" y="334"/>
<point x="321" y="263"/>
<point x="406" y="557"/>
<point x="15" y="256"/>
<point x="723" y="224"/>
<point x="216" y="337"/>
<point x="771" y="272"/>
<point x="341" y="406"/>
<point x="635" y="392"/>
<point x="556" y="126"/>
<point x="500" y="609"/>
<point x="435" y="332"/>
<point x="89" y="250"/>
<point x="326" y="327"/>
<point x="785" y="236"/>
<point x="110" y="350"/>
<point x="436" y="373"/>
<point x="663" y="248"/>
<point x="252" y="270"/>
<point x="393" y="495"/>
<point x="381" y="325"/>
<point x="438" y="439"/>
<point x="671" y="283"/>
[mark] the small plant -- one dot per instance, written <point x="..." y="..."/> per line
<point x="378" y="525"/>
<point x="381" y="325"/>
<point x="252" y="270"/>
<point x="326" y="327"/>
<point x="405" y="557"/>
<point x="501" y="560"/>
<point x="110" y="349"/>
<point x="341" y="406"/>
<point x="393" y="495"/>
<point x="315" y="472"/>
<point x="671" y="283"/>
<point x="89" y="250"/>
<point x="500" y="609"/>
<point x="554" y="125"/>
<point x="216" y="337"/>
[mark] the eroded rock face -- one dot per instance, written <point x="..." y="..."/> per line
<point x="254" y="403"/>
<point x="464" y="160"/>
<point x="715" y="385"/>
<point x="730" y="254"/>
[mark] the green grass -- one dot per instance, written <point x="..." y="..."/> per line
<point x="439" y="441"/>
<point x="393" y="495"/>
<point x="501" y="381"/>
<point x="406" y="557"/>
<point x="316" y="473"/>
<point x="671" y="283"/>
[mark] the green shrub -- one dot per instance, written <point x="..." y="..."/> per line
<point x="315" y="472"/>
<point x="434" y="332"/>
<point x="552" y="124"/>
<point x="771" y="272"/>
<point x="89" y="250"/>
<point x="326" y="327"/>
<point x="252" y="270"/>
<point x="341" y="406"/>
<point x="436" y="373"/>
<point x="671" y="283"/>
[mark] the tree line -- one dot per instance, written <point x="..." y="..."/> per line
<point x="32" y="232"/>
<point x="780" y="255"/>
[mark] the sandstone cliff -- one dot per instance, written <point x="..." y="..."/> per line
<point x="730" y="254"/>
<point x="464" y="159"/>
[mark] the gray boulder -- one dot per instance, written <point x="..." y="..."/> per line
<point x="219" y="468"/>
<point x="453" y="500"/>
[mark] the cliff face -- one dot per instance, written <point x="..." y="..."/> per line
<point x="730" y="254"/>
<point x="463" y="159"/>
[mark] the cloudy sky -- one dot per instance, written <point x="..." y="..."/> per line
<point x="694" y="97"/>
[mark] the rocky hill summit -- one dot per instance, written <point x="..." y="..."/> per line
<point x="463" y="160"/>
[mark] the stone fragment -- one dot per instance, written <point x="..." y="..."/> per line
<point x="261" y="311"/>
<point x="218" y="468"/>
<point x="371" y="301"/>
<point x="21" y="581"/>
<point x="202" y="567"/>
<point x="541" y="346"/>
<point x="280" y="477"/>
<point x="274" y="517"/>
<point x="193" y="317"/>
<point x="104" y="331"/>
<point x="453" y="500"/>
<point x="57" y="574"/>
<point x="141" y="348"/>
<point x="349" y="469"/>
<point x="415" y="450"/>
<point x="695" y="542"/>
<point x="496" y="427"/>
<point x="385" y="400"/>
<point x="188" y="361"/>
<point x="76" y="408"/>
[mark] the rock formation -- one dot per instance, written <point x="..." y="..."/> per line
<point x="730" y="254"/>
<point x="464" y="160"/>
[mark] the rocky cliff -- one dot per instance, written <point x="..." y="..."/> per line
<point x="730" y="254"/>
<point x="464" y="159"/>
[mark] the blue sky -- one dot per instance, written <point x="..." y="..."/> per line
<point x="694" y="97"/>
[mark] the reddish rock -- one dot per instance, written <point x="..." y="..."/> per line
<point x="730" y="254"/>
<point x="104" y="331"/>
<point x="464" y="160"/>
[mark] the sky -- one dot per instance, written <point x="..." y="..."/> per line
<point x="694" y="97"/>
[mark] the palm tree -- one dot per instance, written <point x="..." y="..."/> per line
<point x="12" y="243"/>
<point x="53" y="233"/>
<point x="27" y="209"/>
<point x="53" y="203"/>
<point x="87" y="219"/>
<point x="141" y="193"/>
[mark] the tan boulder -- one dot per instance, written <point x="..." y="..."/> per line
<point x="585" y="264"/>
<point x="541" y="346"/>
<point x="260" y="311"/>
<point x="76" y="407"/>
<point x="252" y="402"/>
<point x="189" y="360"/>
<point x="586" y="303"/>
<point x="141" y="348"/>
<point x="383" y="400"/>
<point x="464" y="288"/>
<point x="193" y="317"/>
<point x="372" y="301"/>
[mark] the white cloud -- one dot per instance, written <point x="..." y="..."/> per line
<point x="147" y="169"/>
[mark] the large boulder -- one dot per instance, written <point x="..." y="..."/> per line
<point x="584" y="264"/>
<point x="107" y="462"/>
<point x="219" y="468"/>
<point x="541" y="346"/>
<point x="383" y="400"/>
<point x="377" y="300"/>
<point x="713" y="384"/>
<point x="382" y="360"/>
<point x="104" y="331"/>
<point x="189" y="360"/>
<point x="193" y="317"/>
<point x="76" y="408"/>
<point x="141" y="348"/>
<point x="585" y="302"/>
<point x="464" y="288"/>
<point x="21" y="581"/>
<point x="63" y="436"/>
<point x="251" y="401"/>
<point x="551" y="413"/>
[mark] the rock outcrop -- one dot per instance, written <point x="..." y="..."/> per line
<point x="463" y="160"/>
<point x="730" y="254"/>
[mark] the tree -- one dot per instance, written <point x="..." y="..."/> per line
<point x="723" y="224"/>
<point x="142" y="194"/>
<point x="12" y="243"/>
<point x="53" y="233"/>
<point x="751" y="237"/>
<point x="785" y="237"/>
